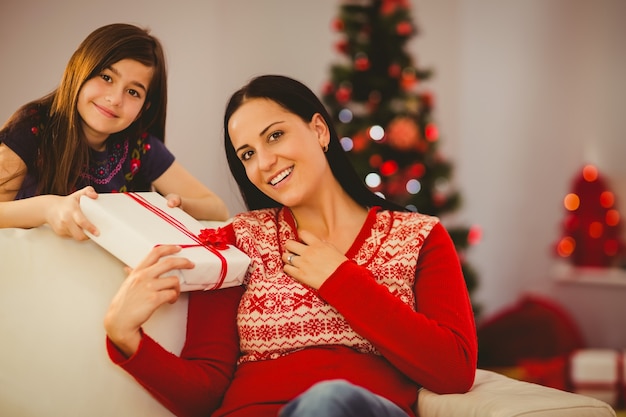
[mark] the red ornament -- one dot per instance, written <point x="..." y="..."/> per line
<point x="328" y="88"/>
<point x="408" y="79"/>
<point x="416" y="170"/>
<point x="375" y="160"/>
<point x="404" y="28"/>
<point x="431" y="132"/>
<point x="337" y="25"/>
<point x="394" y="70"/>
<point x="342" y="46"/>
<point x="389" y="168"/>
<point x="359" y="141"/>
<point x="403" y="134"/>
<point x="343" y="94"/>
<point x="362" y="63"/>
<point x="474" y="235"/>
<point x="427" y="100"/>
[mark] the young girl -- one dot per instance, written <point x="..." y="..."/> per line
<point x="102" y="130"/>
<point x="350" y="303"/>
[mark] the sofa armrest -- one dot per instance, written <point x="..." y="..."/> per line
<point x="54" y="293"/>
<point x="495" y="395"/>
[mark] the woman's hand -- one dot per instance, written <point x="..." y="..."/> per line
<point x="312" y="261"/>
<point x="66" y="218"/>
<point x="146" y="288"/>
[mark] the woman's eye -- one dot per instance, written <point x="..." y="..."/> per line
<point x="106" y="77"/>
<point x="274" y="136"/>
<point x="246" y="155"/>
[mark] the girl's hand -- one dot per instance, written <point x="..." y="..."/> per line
<point x="174" y="200"/>
<point x="67" y="219"/>
<point x="311" y="262"/>
<point x="146" y="288"/>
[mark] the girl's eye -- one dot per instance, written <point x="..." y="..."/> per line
<point x="134" y="93"/>
<point x="106" y="77"/>
<point x="246" y="155"/>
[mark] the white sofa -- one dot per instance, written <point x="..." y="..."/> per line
<point x="53" y="296"/>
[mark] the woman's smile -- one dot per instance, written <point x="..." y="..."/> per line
<point x="281" y="176"/>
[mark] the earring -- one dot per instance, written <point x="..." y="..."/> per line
<point x="325" y="148"/>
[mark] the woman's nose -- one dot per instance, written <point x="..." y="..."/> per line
<point x="266" y="159"/>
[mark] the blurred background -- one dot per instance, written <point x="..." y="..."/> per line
<point x="526" y="92"/>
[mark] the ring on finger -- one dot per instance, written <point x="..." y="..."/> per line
<point x="290" y="258"/>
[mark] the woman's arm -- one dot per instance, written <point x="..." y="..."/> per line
<point x="194" y="383"/>
<point x="436" y="345"/>
<point x="184" y="190"/>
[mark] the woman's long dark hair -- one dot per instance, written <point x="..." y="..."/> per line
<point x="300" y="100"/>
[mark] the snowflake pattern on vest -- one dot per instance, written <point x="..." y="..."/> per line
<point x="278" y="315"/>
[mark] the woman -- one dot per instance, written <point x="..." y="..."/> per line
<point x="102" y="130"/>
<point x="349" y="305"/>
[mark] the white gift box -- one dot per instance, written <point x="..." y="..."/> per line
<point x="131" y="224"/>
<point x="596" y="373"/>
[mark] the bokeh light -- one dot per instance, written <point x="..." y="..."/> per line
<point x="571" y="202"/>
<point x="345" y="116"/>
<point x="596" y="229"/>
<point x="413" y="186"/>
<point x="590" y="173"/>
<point x="566" y="246"/>
<point x="612" y="217"/>
<point x="373" y="180"/>
<point x="346" y="143"/>
<point x="607" y="199"/>
<point x="376" y="132"/>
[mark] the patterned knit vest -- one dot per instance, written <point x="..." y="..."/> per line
<point x="278" y="315"/>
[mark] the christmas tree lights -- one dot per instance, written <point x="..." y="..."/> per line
<point x="384" y="115"/>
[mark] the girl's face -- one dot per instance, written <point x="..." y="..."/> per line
<point x="109" y="102"/>
<point x="281" y="153"/>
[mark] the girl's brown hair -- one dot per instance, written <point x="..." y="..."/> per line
<point x="63" y="155"/>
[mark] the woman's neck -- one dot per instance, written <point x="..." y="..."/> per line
<point x="337" y="220"/>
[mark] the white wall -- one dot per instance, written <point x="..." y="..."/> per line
<point x="526" y="92"/>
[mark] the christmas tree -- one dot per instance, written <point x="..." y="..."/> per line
<point x="384" y="117"/>
<point x="591" y="228"/>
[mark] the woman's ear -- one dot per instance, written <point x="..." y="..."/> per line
<point x="321" y="128"/>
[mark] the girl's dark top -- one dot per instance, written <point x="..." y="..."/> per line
<point x="127" y="164"/>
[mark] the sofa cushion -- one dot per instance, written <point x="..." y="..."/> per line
<point x="495" y="395"/>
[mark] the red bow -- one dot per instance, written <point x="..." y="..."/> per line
<point x="214" y="237"/>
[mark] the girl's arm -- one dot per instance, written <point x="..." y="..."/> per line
<point x="184" y="190"/>
<point x="63" y="214"/>
<point x="436" y="345"/>
<point x="12" y="173"/>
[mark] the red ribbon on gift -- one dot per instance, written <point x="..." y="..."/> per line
<point x="211" y="239"/>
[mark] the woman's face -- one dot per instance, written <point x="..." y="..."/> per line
<point x="109" y="102"/>
<point x="281" y="153"/>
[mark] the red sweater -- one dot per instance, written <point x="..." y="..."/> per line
<point x="426" y="340"/>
